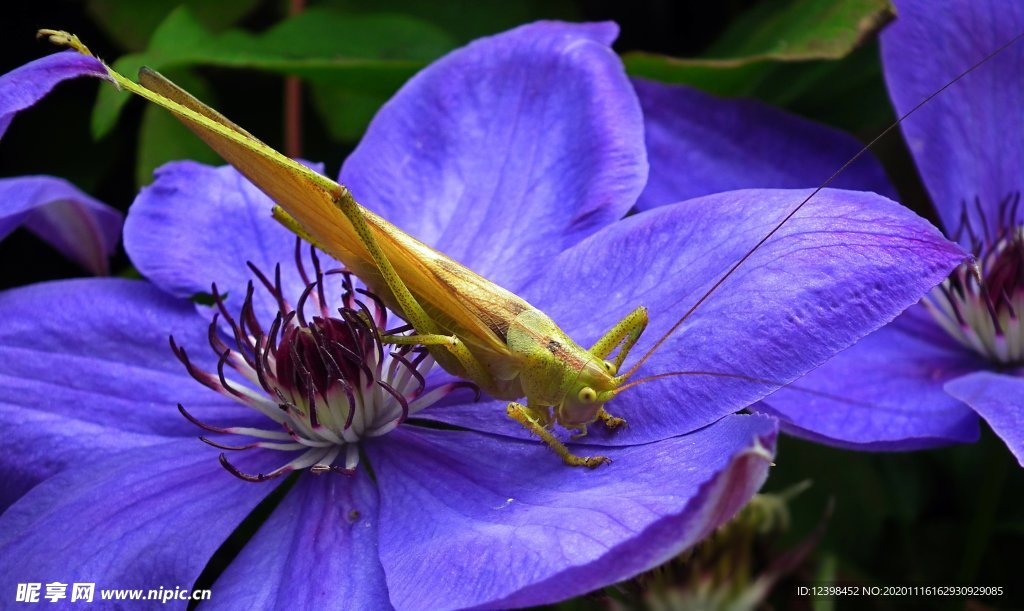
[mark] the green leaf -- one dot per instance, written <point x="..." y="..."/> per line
<point x="849" y="93"/>
<point x="325" y="33"/>
<point x="130" y="22"/>
<point x="469" y="19"/>
<point x="371" y="54"/>
<point x="780" y="31"/>
<point x="345" y="112"/>
<point x="796" y="30"/>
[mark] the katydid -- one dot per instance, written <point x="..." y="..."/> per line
<point x="473" y="328"/>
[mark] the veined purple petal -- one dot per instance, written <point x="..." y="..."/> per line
<point x="883" y="393"/>
<point x="999" y="399"/>
<point x="196" y="225"/>
<point x="318" y="550"/>
<point x="967" y="140"/>
<point x="38" y="444"/>
<point x="82" y="228"/>
<point x="471" y="520"/>
<point x="506" y="152"/>
<point x="846" y="264"/>
<point x="88" y="362"/>
<point x="25" y="85"/>
<point x="699" y="144"/>
<point x="142" y="518"/>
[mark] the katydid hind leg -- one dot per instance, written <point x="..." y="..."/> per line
<point x="473" y="369"/>
<point x="423" y="340"/>
<point x="531" y="420"/>
<point x="411" y="308"/>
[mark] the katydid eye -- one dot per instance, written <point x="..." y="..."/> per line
<point x="587" y="395"/>
<point x="609" y="367"/>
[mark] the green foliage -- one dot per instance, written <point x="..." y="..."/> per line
<point x="750" y="51"/>
<point x="131" y="22"/>
<point x="350" y="75"/>
<point x="376" y="54"/>
<point x="465" y="20"/>
<point x="351" y="58"/>
<point x="796" y="30"/>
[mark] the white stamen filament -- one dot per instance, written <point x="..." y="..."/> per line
<point x="987" y="324"/>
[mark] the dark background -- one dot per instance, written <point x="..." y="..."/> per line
<point x="944" y="517"/>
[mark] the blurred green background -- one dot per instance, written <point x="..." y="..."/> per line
<point x="944" y="517"/>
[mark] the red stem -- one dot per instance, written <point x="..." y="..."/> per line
<point x="293" y="101"/>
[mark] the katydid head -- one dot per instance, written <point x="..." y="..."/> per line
<point x="586" y="393"/>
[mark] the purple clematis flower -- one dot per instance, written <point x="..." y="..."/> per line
<point x="915" y="383"/>
<point x="80" y="227"/>
<point x="518" y="155"/>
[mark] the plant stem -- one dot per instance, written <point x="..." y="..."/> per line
<point x="293" y="101"/>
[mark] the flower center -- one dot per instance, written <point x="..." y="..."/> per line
<point x="324" y="382"/>
<point x="981" y="303"/>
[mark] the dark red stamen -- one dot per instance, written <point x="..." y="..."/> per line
<point x="307" y="362"/>
<point x="206" y="427"/>
<point x="224" y="446"/>
<point x="259" y="477"/>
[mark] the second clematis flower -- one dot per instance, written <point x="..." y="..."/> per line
<point x="920" y="381"/>
<point x="519" y="156"/>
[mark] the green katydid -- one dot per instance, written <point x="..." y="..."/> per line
<point x="473" y="328"/>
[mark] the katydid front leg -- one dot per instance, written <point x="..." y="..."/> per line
<point x="531" y="418"/>
<point x="626" y="332"/>
<point x="609" y="421"/>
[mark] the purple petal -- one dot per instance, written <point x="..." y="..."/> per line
<point x="885" y="392"/>
<point x="81" y="228"/>
<point x="999" y="399"/>
<point x="38" y="444"/>
<point x="85" y="369"/>
<point x="699" y="144"/>
<point x="318" y="550"/>
<point x="846" y="264"/>
<point x="508" y="151"/>
<point x="471" y="520"/>
<point x="144" y="518"/>
<point x="25" y="85"/>
<point x="967" y="140"/>
<point x="485" y="415"/>
<point x="196" y="225"/>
